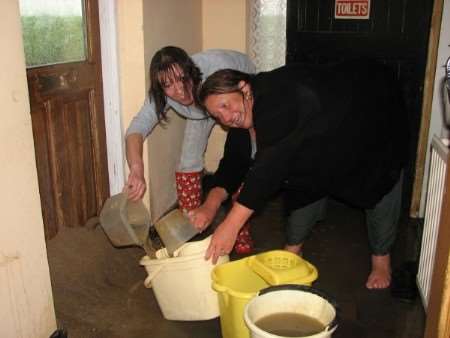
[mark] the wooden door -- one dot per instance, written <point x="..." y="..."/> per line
<point x="396" y="33"/>
<point x="67" y="113"/>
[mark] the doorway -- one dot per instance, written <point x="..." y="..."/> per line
<point x="62" y="48"/>
<point x="395" y="33"/>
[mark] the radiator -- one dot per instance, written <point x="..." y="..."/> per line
<point x="435" y="190"/>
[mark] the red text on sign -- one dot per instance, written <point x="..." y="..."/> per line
<point x="352" y="9"/>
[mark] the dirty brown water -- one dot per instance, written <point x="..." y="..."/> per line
<point x="142" y="233"/>
<point x="289" y="324"/>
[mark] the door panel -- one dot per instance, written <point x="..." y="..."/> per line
<point x="396" y="34"/>
<point x="69" y="134"/>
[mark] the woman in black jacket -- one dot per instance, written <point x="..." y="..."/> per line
<point x="312" y="132"/>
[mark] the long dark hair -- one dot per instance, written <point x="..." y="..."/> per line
<point x="164" y="61"/>
<point x="223" y="81"/>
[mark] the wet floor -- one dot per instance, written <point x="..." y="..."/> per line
<point x="99" y="291"/>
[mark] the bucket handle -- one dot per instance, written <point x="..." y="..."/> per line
<point x="148" y="280"/>
<point x="320" y="293"/>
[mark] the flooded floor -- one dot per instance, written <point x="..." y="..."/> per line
<point x="99" y="293"/>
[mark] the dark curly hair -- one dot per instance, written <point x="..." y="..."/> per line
<point x="163" y="62"/>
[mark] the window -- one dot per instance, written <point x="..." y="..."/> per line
<point x="53" y="31"/>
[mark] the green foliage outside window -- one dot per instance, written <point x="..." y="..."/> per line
<point x="53" y="39"/>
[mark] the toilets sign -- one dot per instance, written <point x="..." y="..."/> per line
<point x="352" y="9"/>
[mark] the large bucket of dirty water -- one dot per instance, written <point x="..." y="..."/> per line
<point x="239" y="281"/>
<point x="182" y="283"/>
<point x="291" y="311"/>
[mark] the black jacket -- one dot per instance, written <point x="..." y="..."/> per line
<point x="337" y="130"/>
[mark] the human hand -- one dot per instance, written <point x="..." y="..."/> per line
<point x="222" y="242"/>
<point x="136" y="186"/>
<point x="201" y="217"/>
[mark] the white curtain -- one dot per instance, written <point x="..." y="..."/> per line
<point x="267" y="33"/>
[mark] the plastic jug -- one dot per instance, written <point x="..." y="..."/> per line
<point x="175" y="229"/>
<point x="127" y="223"/>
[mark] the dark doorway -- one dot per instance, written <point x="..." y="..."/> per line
<point x="396" y="33"/>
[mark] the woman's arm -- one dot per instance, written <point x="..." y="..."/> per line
<point x="140" y="126"/>
<point x="135" y="185"/>
<point x="204" y="215"/>
<point x="224" y="236"/>
<point x="227" y="179"/>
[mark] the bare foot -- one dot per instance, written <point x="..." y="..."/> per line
<point x="380" y="276"/>
<point x="297" y="249"/>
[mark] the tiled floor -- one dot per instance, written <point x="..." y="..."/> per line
<point x="99" y="293"/>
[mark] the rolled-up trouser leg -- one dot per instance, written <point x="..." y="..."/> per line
<point x="300" y="221"/>
<point x="383" y="219"/>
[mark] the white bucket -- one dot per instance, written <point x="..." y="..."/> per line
<point x="288" y="298"/>
<point x="182" y="284"/>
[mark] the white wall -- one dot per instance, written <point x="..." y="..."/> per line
<point x="176" y="23"/>
<point x="437" y="126"/>
<point x="26" y="303"/>
<point x="111" y="94"/>
<point x="130" y="50"/>
<point x="224" y="26"/>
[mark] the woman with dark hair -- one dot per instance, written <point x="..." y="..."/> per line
<point x="175" y="77"/>
<point x="166" y="66"/>
<point x="311" y="132"/>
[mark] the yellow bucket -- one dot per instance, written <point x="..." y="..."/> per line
<point x="239" y="281"/>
